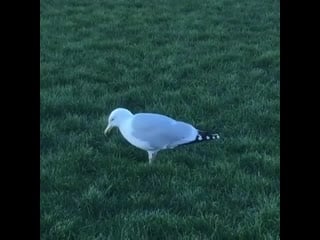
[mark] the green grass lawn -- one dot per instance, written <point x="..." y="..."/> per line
<point x="214" y="64"/>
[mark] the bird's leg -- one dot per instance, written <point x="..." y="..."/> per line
<point x="151" y="156"/>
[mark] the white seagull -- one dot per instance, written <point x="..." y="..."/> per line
<point x="154" y="132"/>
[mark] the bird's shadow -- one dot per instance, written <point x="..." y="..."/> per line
<point x="137" y="155"/>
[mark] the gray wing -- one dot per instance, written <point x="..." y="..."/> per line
<point x="161" y="131"/>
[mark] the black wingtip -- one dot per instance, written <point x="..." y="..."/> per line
<point x="204" y="136"/>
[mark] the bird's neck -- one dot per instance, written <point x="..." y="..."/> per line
<point x="124" y="126"/>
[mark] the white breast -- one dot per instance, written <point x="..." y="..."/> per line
<point x="126" y="132"/>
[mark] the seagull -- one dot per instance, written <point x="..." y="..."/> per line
<point x="153" y="132"/>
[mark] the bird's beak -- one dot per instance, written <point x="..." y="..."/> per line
<point x="108" y="129"/>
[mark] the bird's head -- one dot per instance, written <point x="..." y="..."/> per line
<point x="116" y="117"/>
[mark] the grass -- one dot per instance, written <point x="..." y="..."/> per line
<point x="214" y="64"/>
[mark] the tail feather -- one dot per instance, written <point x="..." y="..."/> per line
<point x="203" y="136"/>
